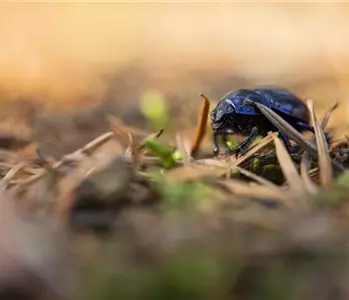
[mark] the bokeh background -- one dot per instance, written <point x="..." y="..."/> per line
<point x="80" y="55"/>
<point x="65" y="66"/>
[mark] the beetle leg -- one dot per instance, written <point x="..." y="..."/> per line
<point x="287" y="142"/>
<point x="245" y="143"/>
<point x="215" y="142"/>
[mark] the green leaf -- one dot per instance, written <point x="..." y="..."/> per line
<point x="343" y="179"/>
<point x="255" y="165"/>
<point x="154" y="107"/>
<point x="162" y="151"/>
<point x="232" y="144"/>
<point x="188" y="195"/>
<point x="177" y="155"/>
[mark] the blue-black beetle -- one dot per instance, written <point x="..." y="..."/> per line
<point x="233" y="115"/>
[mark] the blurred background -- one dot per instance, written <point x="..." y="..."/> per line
<point x="65" y="66"/>
<point x="80" y="55"/>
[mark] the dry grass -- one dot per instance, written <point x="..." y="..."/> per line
<point x="24" y="175"/>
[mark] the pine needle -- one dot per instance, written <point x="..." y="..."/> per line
<point x="308" y="183"/>
<point x="262" y="144"/>
<point x="289" y="170"/>
<point x="327" y="116"/>
<point x="286" y="128"/>
<point x="326" y="171"/>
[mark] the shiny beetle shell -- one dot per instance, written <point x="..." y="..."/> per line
<point x="277" y="99"/>
<point x="233" y="114"/>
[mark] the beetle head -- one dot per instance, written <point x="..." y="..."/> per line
<point x="222" y="113"/>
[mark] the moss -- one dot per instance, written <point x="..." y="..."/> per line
<point x="273" y="173"/>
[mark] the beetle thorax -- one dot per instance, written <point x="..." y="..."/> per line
<point x="223" y="110"/>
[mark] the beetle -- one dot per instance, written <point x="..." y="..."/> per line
<point x="233" y="115"/>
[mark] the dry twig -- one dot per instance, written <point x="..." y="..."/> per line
<point x="72" y="157"/>
<point x="201" y="126"/>
<point x="224" y="166"/>
<point x="262" y="144"/>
